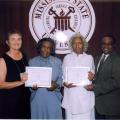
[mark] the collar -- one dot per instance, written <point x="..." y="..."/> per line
<point x="106" y="55"/>
<point x="78" y="55"/>
<point x="45" y="59"/>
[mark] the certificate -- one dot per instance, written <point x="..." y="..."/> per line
<point x="40" y="76"/>
<point x="77" y="75"/>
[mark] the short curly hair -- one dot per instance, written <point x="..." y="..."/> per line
<point x="78" y="35"/>
<point x="51" y="41"/>
<point x="11" y="32"/>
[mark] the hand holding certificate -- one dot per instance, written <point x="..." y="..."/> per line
<point x="77" y="75"/>
<point x="40" y="76"/>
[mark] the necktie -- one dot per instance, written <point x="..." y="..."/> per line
<point x="101" y="62"/>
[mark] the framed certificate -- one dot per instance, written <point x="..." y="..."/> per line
<point x="40" y="76"/>
<point x="77" y="75"/>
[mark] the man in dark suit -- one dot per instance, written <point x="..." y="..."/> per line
<point x="106" y="83"/>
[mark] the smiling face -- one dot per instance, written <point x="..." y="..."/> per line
<point x="77" y="45"/>
<point x="46" y="49"/>
<point x="107" y="45"/>
<point x="14" y="41"/>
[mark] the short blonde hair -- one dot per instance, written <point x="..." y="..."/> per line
<point x="78" y="35"/>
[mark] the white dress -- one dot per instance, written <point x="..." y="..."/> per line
<point x="77" y="100"/>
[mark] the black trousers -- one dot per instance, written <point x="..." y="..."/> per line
<point x="106" y="117"/>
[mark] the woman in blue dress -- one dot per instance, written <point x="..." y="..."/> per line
<point x="46" y="102"/>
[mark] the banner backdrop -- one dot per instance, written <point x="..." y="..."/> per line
<point x="15" y="14"/>
<point x="60" y="19"/>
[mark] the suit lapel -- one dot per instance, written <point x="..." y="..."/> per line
<point x="97" y="59"/>
<point x="107" y="61"/>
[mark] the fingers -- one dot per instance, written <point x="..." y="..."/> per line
<point x="53" y="86"/>
<point x="34" y="87"/>
<point x="69" y="85"/>
<point x="53" y="83"/>
<point x="24" y="77"/>
<point x="89" y="87"/>
<point x="90" y="76"/>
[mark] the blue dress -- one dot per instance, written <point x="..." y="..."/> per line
<point x="47" y="104"/>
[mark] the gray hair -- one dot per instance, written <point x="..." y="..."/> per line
<point x="78" y="35"/>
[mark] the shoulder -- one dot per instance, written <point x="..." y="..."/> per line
<point x="2" y="62"/>
<point x="116" y="59"/>
<point x="115" y="62"/>
<point x="24" y="55"/>
<point x="97" y="57"/>
<point x="34" y="60"/>
<point x="88" y="56"/>
<point x="56" y="60"/>
<point x="68" y="56"/>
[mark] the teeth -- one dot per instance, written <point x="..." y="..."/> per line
<point x="105" y="49"/>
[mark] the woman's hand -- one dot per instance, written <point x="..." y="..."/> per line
<point x="69" y="85"/>
<point x="53" y="86"/>
<point x="24" y="77"/>
<point x="89" y="87"/>
<point x="34" y="87"/>
<point x="90" y="76"/>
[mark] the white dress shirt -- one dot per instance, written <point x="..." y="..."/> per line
<point x="78" y="100"/>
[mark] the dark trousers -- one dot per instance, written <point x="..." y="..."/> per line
<point x="105" y="117"/>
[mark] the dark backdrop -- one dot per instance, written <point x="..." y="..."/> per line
<point x="15" y="14"/>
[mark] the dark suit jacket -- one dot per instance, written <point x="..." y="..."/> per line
<point x="107" y="86"/>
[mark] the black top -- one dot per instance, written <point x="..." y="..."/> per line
<point x="14" y="102"/>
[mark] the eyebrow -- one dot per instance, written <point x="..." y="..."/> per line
<point x="107" y="43"/>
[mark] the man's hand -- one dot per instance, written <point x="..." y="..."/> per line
<point x="89" y="87"/>
<point x="69" y="85"/>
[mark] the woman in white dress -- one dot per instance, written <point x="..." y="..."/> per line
<point x="77" y="101"/>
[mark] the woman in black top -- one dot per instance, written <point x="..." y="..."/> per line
<point x="14" y="98"/>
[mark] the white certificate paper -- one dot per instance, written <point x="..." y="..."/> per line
<point x="77" y="75"/>
<point x="40" y="76"/>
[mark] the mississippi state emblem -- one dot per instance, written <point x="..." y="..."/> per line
<point x="60" y="19"/>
